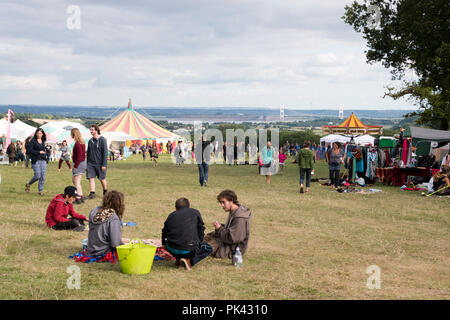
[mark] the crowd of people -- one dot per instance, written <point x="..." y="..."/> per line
<point x="183" y="233"/>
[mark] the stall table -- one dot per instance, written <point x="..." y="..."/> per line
<point x="398" y="176"/>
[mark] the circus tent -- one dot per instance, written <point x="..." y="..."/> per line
<point x="135" y="124"/>
<point x="352" y="125"/>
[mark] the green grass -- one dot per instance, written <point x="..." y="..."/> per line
<point x="315" y="246"/>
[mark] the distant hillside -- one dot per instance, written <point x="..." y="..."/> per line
<point x="203" y="114"/>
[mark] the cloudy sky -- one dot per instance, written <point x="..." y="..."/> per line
<point x="198" y="53"/>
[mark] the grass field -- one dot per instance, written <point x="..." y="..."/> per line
<point x="315" y="246"/>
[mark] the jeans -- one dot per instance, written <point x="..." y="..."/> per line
<point x="335" y="177"/>
<point x="40" y="171"/>
<point x="201" y="252"/>
<point x="306" y="171"/>
<point x="203" y="173"/>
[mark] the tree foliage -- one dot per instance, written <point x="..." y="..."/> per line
<point x="412" y="39"/>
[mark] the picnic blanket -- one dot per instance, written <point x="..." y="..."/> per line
<point x="112" y="257"/>
<point x="83" y="256"/>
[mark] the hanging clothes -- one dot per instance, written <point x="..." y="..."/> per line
<point x="381" y="158"/>
<point x="372" y="162"/>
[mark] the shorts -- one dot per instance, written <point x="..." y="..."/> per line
<point x="93" y="171"/>
<point x="80" y="170"/>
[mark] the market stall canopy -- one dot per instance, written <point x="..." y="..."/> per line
<point x="359" y="140"/>
<point x="334" y="138"/>
<point x="364" y="140"/>
<point x="352" y="125"/>
<point x="424" y="139"/>
<point x="427" y="134"/>
<point x="136" y="125"/>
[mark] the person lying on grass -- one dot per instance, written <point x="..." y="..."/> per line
<point x="235" y="232"/>
<point x="60" y="208"/>
<point x="105" y="230"/>
<point x="183" y="234"/>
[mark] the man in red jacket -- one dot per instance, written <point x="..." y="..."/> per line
<point x="60" y="207"/>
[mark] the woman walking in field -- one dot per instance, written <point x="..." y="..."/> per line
<point x="268" y="163"/>
<point x="305" y="160"/>
<point x="79" y="162"/>
<point x="39" y="157"/>
<point x="65" y="156"/>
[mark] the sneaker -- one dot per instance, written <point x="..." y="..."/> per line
<point x="177" y="263"/>
<point x="185" y="263"/>
<point x="27" y="188"/>
<point x="91" y="196"/>
<point x="80" y="228"/>
<point x="301" y="189"/>
<point x="206" y="183"/>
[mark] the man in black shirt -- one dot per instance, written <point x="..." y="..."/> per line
<point x="183" y="234"/>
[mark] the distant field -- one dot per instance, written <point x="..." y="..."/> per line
<point x="315" y="246"/>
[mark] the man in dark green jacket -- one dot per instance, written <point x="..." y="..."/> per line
<point x="305" y="160"/>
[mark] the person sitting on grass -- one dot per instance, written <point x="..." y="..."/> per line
<point x="60" y="208"/>
<point x="441" y="181"/>
<point x="183" y="234"/>
<point x="105" y="230"/>
<point x="235" y="232"/>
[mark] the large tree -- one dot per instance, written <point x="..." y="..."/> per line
<point x="412" y="39"/>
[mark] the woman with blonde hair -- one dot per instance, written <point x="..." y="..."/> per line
<point x="79" y="162"/>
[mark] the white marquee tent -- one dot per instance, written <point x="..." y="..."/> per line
<point x="359" y="140"/>
<point x="19" y="129"/>
<point x="57" y="131"/>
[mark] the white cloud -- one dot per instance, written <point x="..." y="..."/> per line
<point x="33" y="82"/>
<point x="186" y="52"/>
